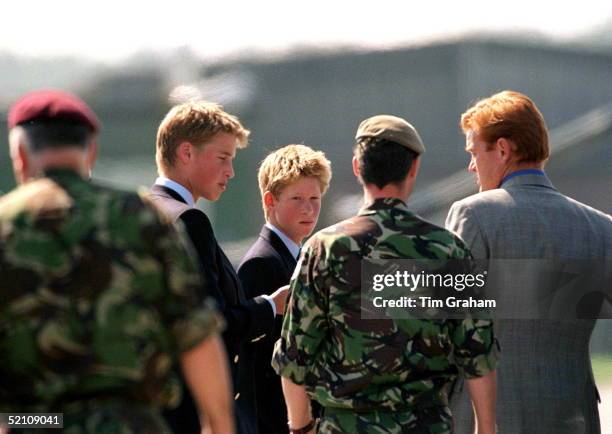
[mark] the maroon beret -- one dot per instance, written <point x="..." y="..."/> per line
<point x="51" y="104"/>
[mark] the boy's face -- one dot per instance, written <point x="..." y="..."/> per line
<point x="211" y="167"/>
<point x="296" y="209"/>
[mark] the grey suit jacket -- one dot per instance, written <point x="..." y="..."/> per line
<point x="545" y="381"/>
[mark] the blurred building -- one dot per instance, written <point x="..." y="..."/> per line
<point x="319" y="99"/>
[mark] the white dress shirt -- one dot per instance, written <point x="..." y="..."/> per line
<point x="294" y="248"/>
<point x="176" y="187"/>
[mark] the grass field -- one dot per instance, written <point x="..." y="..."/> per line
<point x="602" y="368"/>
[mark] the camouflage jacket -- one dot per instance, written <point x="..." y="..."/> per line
<point x="98" y="297"/>
<point x="370" y="365"/>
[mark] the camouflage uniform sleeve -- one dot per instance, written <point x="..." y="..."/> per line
<point x="189" y="316"/>
<point x="305" y="322"/>
<point x="476" y="350"/>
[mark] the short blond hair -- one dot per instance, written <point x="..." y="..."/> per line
<point x="195" y="122"/>
<point x="287" y="165"/>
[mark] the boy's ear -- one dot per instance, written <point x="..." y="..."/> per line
<point x="184" y="152"/>
<point x="268" y="199"/>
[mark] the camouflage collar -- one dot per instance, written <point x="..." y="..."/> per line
<point x="61" y="173"/>
<point x="382" y="203"/>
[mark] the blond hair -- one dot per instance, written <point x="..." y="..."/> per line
<point x="195" y="122"/>
<point x="289" y="164"/>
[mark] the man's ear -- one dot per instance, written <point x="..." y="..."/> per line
<point x="92" y="154"/>
<point x="184" y="152"/>
<point x="414" y="168"/>
<point x="23" y="159"/>
<point x="356" y="171"/>
<point x="19" y="157"/>
<point x="506" y="148"/>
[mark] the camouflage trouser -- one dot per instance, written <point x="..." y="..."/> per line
<point x="120" y="418"/>
<point x="429" y="420"/>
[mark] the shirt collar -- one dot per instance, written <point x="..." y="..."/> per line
<point x="61" y="172"/>
<point x="523" y="172"/>
<point x="178" y="188"/>
<point x="291" y="245"/>
<point x="382" y="203"/>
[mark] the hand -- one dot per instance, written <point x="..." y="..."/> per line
<point x="279" y="297"/>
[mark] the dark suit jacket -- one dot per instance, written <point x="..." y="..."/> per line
<point x="245" y="319"/>
<point x="545" y="383"/>
<point x="267" y="266"/>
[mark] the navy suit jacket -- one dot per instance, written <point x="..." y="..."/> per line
<point x="245" y="319"/>
<point x="267" y="266"/>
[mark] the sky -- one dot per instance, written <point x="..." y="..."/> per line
<point x="112" y="30"/>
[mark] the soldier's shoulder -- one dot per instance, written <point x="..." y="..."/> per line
<point x="348" y="227"/>
<point x="430" y="232"/>
<point x="353" y="235"/>
<point x="115" y="192"/>
<point x="425" y="237"/>
<point x="124" y="201"/>
<point x="34" y="198"/>
<point x="429" y="226"/>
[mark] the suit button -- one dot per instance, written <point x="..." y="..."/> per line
<point x="236" y="358"/>
<point x="237" y="396"/>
